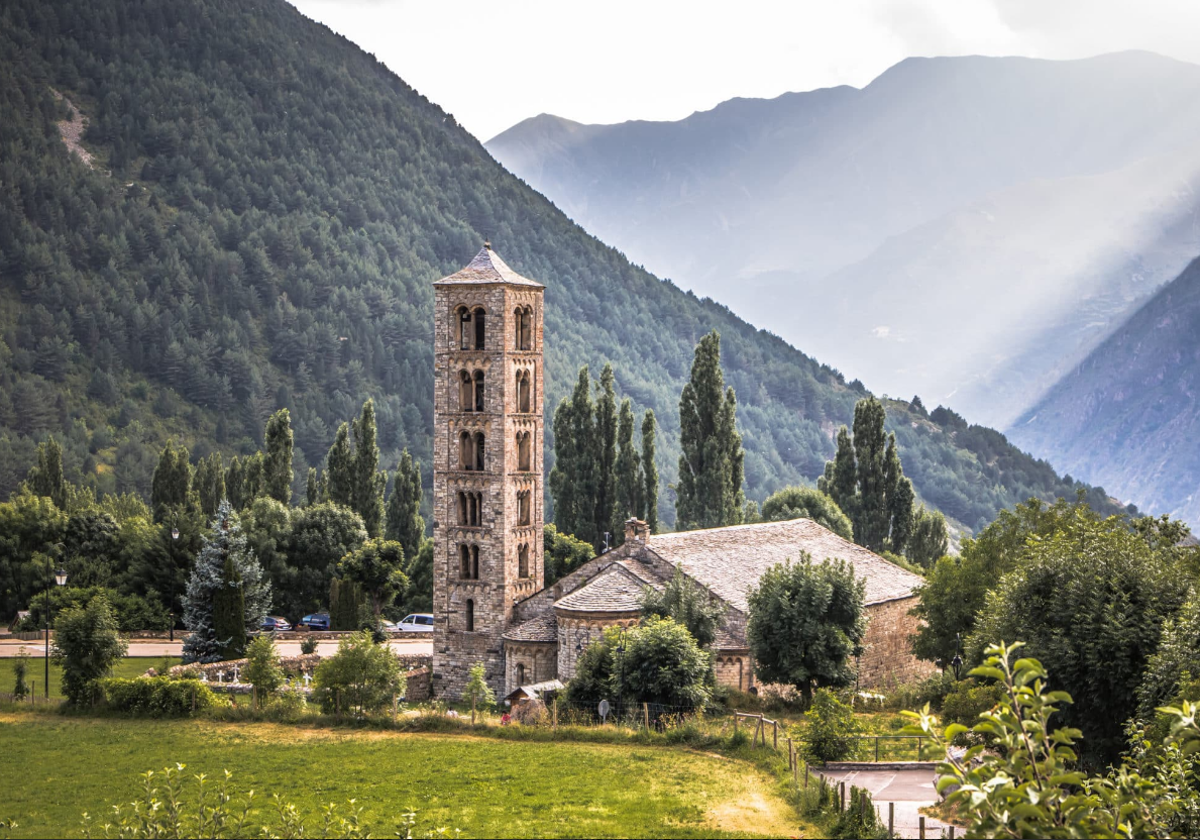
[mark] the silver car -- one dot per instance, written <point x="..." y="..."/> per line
<point x="417" y="623"/>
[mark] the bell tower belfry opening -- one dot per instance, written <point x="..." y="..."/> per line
<point x="487" y="464"/>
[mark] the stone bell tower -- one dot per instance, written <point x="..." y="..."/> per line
<point x="487" y="464"/>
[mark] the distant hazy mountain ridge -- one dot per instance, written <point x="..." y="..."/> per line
<point x="961" y="203"/>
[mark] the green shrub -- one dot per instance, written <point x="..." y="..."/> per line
<point x="158" y="696"/>
<point x="859" y="820"/>
<point x="87" y="645"/>
<point x="362" y="677"/>
<point x="831" y="728"/>
<point x="969" y="700"/>
<point x="308" y="645"/>
<point x="21" y="688"/>
<point x="262" y="667"/>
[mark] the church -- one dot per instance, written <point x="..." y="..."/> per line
<point x="489" y="598"/>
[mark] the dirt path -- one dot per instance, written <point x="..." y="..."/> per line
<point x="72" y="130"/>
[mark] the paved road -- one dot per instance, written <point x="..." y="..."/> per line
<point x="157" y="649"/>
<point x="910" y="789"/>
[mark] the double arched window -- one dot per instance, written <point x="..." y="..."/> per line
<point x="468" y="557"/>
<point x="524" y="508"/>
<point x="524" y="451"/>
<point x="471" y="328"/>
<point x="523" y="328"/>
<point x="470" y="451"/>
<point x="524" y="383"/>
<point x="470" y="390"/>
<point x="469" y="510"/>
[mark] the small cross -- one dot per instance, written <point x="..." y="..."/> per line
<point x="236" y="675"/>
<point x="307" y="680"/>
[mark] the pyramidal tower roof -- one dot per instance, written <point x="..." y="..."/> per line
<point x="487" y="267"/>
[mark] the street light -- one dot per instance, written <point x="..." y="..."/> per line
<point x="957" y="662"/>
<point x="60" y="578"/>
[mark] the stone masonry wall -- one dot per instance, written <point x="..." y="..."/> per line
<point x="888" y="658"/>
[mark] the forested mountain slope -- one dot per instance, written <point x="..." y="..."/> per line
<point x="951" y="202"/>
<point x="1129" y="414"/>
<point x="266" y="209"/>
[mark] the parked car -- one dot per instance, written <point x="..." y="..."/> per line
<point x="417" y="623"/>
<point x="389" y="626"/>
<point x="274" y="622"/>
<point x="316" y="621"/>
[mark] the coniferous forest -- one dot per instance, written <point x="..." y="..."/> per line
<point x="258" y="222"/>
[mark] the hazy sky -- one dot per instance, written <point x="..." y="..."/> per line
<point x="492" y="64"/>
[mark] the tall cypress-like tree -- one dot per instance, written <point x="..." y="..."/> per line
<point x="312" y="490"/>
<point x="209" y="483"/>
<point x="172" y="481"/>
<point x="368" y="482"/>
<point x="629" y="470"/>
<point x="583" y="433"/>
<point x="46" y="477"/>
<point x="900" y="499"/>
<point x="277" y="463"/>
<point x="649" y="496"/>
<point x="405" y="524"/>
<point x="253" y="469"/>
<point x="840" y="481"/>
<point x="229" y="613"/>
<point x="605" y="515"/>
<point x="710" y="491"/>
<point x="235" y="484"/>
<point x="339" y="469"/>
<point x="562" y="474"/>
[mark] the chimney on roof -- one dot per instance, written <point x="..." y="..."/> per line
<point x="487" y="243"/>
<point x="636" y="529"/>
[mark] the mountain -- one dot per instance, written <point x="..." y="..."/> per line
<point x="1129" y="414"/>
<point x="259" y="216"/>
<point x="954" y="187"/>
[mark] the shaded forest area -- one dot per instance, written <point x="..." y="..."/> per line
<point x="267" y="209"/>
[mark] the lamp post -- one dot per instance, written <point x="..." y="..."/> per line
<point x="620" y="672"/>
<point x="60" y="579"/>
<point x="171" y="618"/>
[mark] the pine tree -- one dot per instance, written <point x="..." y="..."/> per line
<point x="225" y="542"/>
<point x="710" y="491"/>
<point x="339" y="469"/>
<point x="46" y="477"/>
<point x="312" y="491"/>
<point x="605" y="515"/>
<point x="172" y="481"/>
<point x="277" y="464"/>
<point x="368" y="483"/>
<point x="649" y="496"/>
<point x="629" y="472"/>
<point x="405" y="524"/>
<point x="229" y="613"/>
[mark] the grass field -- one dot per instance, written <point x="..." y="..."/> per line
<point x="129" y="667"/>
<point x="56" y="767"/>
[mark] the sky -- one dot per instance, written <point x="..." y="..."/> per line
<point x="493" y="64"/>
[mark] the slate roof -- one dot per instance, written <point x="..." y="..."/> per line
<point x="729" y="561"/>
<point x="615" y="590"/>
<point x="487" y="267"/>
<point x="544" y="628"/>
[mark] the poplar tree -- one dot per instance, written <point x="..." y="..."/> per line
<point x="234" y="484"/>
<point x="277" y="464"/>
<point x="583" y="466"/>
<point x="605" y="515"/>
<point x="252" y="478"/>
<point x="312" y="491"/>
<point x="840" y="481"/>
<point x="562" y="481"/>
<point x="405" y="524"/>
<point x="629" y="472"/>
<point x="339" y="469"/>
<point x="710" y="491"/>
<point x="649" y="496"/>
<point x="209" y="483"/>
<point x="172" y="481"/>
<point x="368" y="482"/>
<point x="46" y="477"/>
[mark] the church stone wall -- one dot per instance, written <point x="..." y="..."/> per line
<point x="888" y="659"/>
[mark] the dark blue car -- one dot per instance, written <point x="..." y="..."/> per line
<point x="273" y="622"/>
<point x="316" y="621"/>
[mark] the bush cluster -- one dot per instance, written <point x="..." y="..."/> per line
<point x="158" y="696"/>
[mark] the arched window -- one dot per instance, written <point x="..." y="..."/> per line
<point x="523" y="328"/>
<point x="470" y="616"/>
<point x="479" y="330"/>
<point x="466" y="453"/>
<point x="463" y="509"/>
<point x="466" y="328"/>
<point x="466" y="398"/>
<point x="479" y="390"/>
<point x="520" y="673"/>
<point x="524" y="451"/>
<point x="474" y="562"/>
<point x="523" y="508"/>
<point x="478" y="451"/>
<point x="464" y="562"/>
<point x="470" y="509"/>
<point x="524" y="391"/>
<point x="523" y="560"/>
